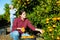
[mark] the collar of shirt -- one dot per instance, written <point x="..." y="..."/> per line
<point x="21" y="19"/>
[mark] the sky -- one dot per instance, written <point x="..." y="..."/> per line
<point x="2" y="3"/>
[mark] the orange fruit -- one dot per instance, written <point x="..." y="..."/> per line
<point x="50" y="29"/>
<point x="23" y="29"/>
<point x="27" y="0"/>
<point x="58" y="4"/>
<point x="54" y="18"/>
<point x="58" y="18"/>
<point x="52" y="36"/>
<point x="58" y="37"/>
<point x="24" y="3"/>
<point x="47" y="21"/>
<point x="54" y="25"/>
<point x="18" y="1"/>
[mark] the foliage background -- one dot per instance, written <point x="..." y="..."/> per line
<point x="44" y="14"/>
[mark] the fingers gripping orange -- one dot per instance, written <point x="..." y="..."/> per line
<point x="23" y="29"/>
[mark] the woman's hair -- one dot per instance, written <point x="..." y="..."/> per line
<point x="20" y="12"/>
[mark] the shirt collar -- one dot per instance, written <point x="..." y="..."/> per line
<point x="21" y="19"/>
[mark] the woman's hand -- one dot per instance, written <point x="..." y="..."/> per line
<point x="19" y="28"/>
<point x="22" y="29"/>
<point x="40" y="30"/>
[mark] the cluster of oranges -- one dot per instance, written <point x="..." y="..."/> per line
<point x="58" y="37"/>
<point x="47" y="20"/>
<point x="51" y="28"/>
<point x="54" y="19"/>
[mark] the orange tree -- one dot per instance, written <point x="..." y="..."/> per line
<point x="43" y="14"/>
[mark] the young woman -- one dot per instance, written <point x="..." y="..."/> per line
<point x="12" y="15"/>
<point x="20" y="23"/>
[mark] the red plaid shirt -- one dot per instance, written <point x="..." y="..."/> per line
<point x="18" y="23"/>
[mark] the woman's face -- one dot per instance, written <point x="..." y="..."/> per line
<point x="23" y="15"/>
<point x="11" y="7"/>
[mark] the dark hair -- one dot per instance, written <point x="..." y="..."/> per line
<point x="20" y="12"/>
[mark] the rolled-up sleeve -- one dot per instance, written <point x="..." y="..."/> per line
<point x="15" y="25"/>
<point x="30" y="25"/>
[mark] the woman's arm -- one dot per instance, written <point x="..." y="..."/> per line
<point x="33" y="28"/>
<point x="30" y="25"/>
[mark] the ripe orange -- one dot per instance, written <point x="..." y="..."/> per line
<point x="52" y="36"/>
<point x="50" y="29"/>
<point x="58" y="18"/>
<point x="54" y="19"/>
<point x="47" y="21"/>
<point x="27" y="0"/>
<point x="18" y="1"/>
<point x="58" y="37"/>
<point x="54" y="25"/>
<point x="23" y="29"/>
